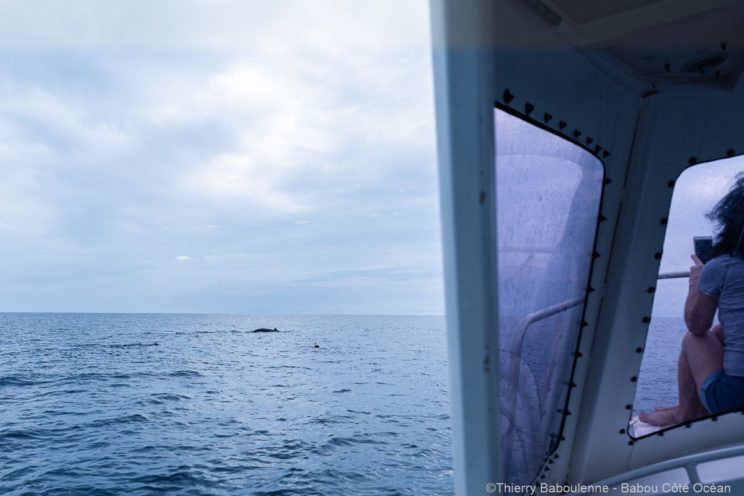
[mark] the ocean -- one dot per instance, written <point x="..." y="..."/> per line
<point x="185" y="404"/>
<point x="657" y="380"/>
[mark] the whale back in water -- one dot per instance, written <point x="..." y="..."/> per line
<point x="263" y="329"/>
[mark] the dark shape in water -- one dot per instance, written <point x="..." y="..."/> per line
<point x="316" y="345"/>
<point x="263" y="329"/>
<point x="133" y="345"/>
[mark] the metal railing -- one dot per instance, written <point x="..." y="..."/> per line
<point x="515" y="362"/>
<point x="689" y="463"/>
<point x="675" y="275"/>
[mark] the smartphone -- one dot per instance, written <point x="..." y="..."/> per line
<point x="703" y="247"/>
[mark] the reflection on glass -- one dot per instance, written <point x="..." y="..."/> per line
<point x="548" y="194"/>
<point x="661" y="399"/>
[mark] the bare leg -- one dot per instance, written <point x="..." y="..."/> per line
<point x="685" y="393"/>
<point x="717" y="331"/>
<point x="700" y="356"/>
<point x="690" y="406"/>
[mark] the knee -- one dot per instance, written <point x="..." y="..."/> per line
<point x="689" y="339"/>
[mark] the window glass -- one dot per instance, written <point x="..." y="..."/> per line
<point x="548" y="194"/>
<point x="696" y="192"/>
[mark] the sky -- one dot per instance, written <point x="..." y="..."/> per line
<point x="696" y="192"/>
<point x="218" y="156"/>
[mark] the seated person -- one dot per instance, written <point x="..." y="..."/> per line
<point x="710" y="370"/>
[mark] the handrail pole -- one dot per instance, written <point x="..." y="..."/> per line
<point x="516" y="357"/>
<point x="692" y="473"/>
<point x="674" y="275"/>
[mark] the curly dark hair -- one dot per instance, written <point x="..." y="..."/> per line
<point x="728" y="214"/>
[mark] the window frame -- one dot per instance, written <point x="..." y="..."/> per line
<point x="590" y="295"/>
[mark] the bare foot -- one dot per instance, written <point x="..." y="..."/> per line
<point x="660" y="417"/>
<point x="664" y="408"/>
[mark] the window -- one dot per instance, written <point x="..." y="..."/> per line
<point x="696" y="192"/>
<point x="548" y="195"/>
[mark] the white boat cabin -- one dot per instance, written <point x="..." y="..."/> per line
<point x="564" y="128"/>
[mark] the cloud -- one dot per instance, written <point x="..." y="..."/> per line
<point x="276" y="142"/>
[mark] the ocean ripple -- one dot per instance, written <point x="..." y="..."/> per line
<point x="126" y="405"/>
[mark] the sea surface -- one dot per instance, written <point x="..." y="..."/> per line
<point x="657" y="380"/>
<point x="183" y="404"/>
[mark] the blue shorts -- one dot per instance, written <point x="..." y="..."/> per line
<point x="722" y="393"/>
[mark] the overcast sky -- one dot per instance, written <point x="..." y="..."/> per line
<point x="696" y="192"/>
<point x="246" y="156"/>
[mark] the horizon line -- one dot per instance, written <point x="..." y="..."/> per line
<point x="67" y="312"/>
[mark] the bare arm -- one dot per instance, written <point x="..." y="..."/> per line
<point x="700" y="308"/>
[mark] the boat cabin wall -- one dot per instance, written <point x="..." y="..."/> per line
<point x="676" y="131"/>
<point x="508" y="54"/>
<point x="516" y="61"/>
